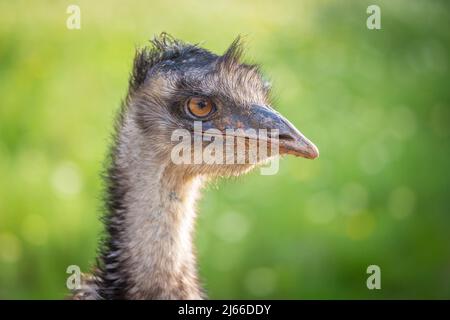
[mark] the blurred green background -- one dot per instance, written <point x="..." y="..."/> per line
<point x="375" y="102"/>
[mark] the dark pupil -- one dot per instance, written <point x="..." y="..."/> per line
<point x="201" y="104"/>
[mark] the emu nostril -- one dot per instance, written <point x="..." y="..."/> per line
<point x="286" y="137"/>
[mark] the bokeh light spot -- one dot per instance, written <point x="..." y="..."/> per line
<point x="66" y="179"/>
<point x="260" y="282"/>
<point x="353" y="198"/>
<point x="401" y="202"/>
<point x="232" y="227"/>
<point x="320" y="208"/>
<point x="373" y="157"/>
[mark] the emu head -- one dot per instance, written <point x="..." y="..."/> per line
<point x="177" y="87"/>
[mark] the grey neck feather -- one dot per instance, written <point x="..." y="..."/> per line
<point x="152" y="248"/>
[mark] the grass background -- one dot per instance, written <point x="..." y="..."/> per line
<point x="375" y="102"/>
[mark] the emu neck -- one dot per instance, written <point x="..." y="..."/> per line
<point x="151" y="227"/>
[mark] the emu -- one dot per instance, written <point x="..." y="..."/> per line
<point x="147" y="250"/>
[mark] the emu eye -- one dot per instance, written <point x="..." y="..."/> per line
<point x="199" y="107"/>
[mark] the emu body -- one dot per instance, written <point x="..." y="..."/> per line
<point x="147" y="250"/>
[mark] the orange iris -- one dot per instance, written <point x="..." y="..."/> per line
<point x="200" y="107"/>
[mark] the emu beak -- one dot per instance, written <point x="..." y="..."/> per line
<point x="291" y="141"/>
